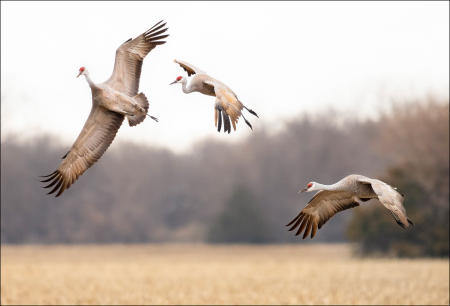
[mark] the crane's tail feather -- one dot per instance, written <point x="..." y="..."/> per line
<point x="139" y="116"/>
<point x="141" y="99"/>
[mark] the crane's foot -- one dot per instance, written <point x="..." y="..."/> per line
<point x="154" y="118"/>
<point x="251" y="111"/>
<point x="248" y="123"/>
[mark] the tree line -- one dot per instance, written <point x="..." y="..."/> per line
<point x="240" y="192"/>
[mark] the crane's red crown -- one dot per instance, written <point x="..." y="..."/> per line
<point x="309" y="185"/>
<point x="179" y="78"/>
<point x="82" y="69"/>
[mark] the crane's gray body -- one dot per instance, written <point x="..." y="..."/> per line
<point x="351" y="191"/>
<point x="111" y="102"/>
<point x="227" y="104"/>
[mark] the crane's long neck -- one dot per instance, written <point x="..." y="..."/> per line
<point x="186" y="88"/>
<point x="89" y="80"/>
<point x="332" y="187"/>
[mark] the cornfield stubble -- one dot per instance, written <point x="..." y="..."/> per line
<point x="216" y="274"/>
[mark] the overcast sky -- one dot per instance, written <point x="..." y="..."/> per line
<point x="281" y="58"/>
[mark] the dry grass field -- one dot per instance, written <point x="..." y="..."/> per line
<point x="223" y="274"/>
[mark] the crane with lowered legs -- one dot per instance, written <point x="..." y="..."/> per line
<point x="227" y="103"/>
<point x="349" y="192"/>
<point x="112" y="101"/>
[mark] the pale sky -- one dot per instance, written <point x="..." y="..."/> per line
<point x="281" y="58"/>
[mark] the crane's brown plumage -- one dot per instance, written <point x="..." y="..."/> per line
<point x="229" y="103"/>
<point x="390" y="198"/>
<point x="129" y="58"/>
<point x="190" y="69"/>
<point x="95" y="137"/>
<point x="111" y="101"/>
<point x="323" y="206"/>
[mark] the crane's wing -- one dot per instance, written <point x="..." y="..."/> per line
<point x="129" y="58"/>
<point x="391" y="199"/>
<point x="227" y="102"/>
<point x="190" y="69"/>
<point x="97" y="134"/>
<point x="324" y="205"/>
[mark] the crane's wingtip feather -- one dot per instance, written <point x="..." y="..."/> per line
<point x="156" y="24"/>
<point x="60" y="181"/>
<point x="289" y="224"/>
<point x="401" y="224"/>
<point x="61" y="190"/>
<point x="159" y="37"/>
<point x="49" y="174"/>
<point x="49" y="179"/>
<point x="156" y="27"/>
<point x="51" y="184"/>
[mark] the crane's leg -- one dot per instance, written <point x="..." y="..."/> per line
<point x="154" y="118"/>
<point x="250" y="111"/>
<point x="246" y="121"/>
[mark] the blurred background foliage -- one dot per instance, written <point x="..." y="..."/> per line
<point x="242" y="192"/>
<point x="240" y="220"/>
<point x="417" y="139"/>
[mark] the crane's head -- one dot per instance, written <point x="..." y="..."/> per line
<point x="179" y="79"/>
<point x="309" y="187"/>
<point x="81" y="71"/>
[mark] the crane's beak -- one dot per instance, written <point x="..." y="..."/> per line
<point x="302" y="190"/>
<point x="79" y="73"/>
<point x="173" y="82"/>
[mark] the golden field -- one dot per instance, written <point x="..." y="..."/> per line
<point x="219" y="274"/>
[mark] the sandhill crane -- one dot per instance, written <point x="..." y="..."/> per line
<point x="111" y="102"/>
<point x="349" y="192"/>
<point x="227" y="103"/>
